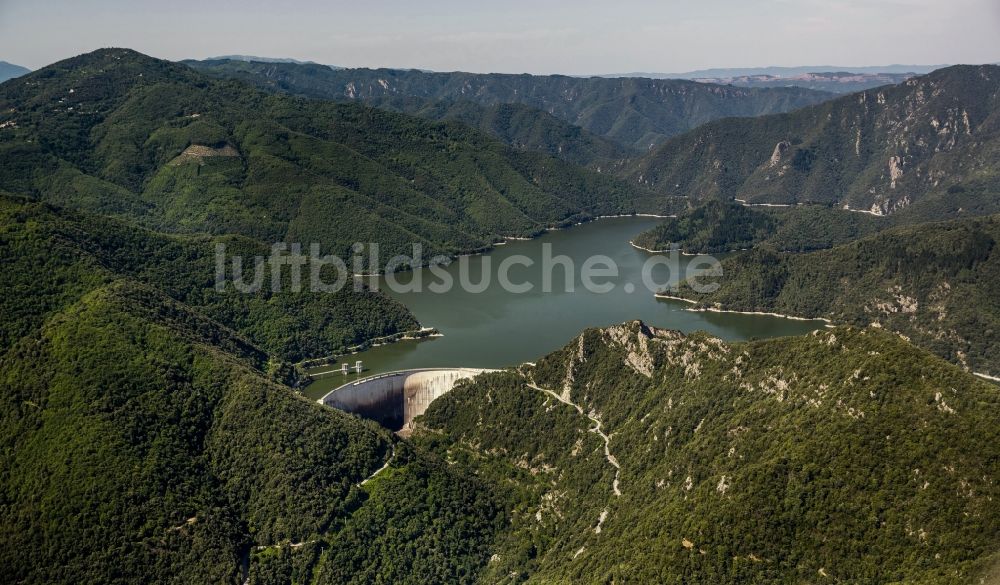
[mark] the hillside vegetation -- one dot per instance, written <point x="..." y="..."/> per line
<point x="119" y="133"/>
<point x="635" y="112"/>
<point x="515" y="124"/>
<point x="524" y="128"/>
<point x="143" y="442"/>
<point x="718" y="226"/>
<point x="148" y="433"/>
<point x="845" y="456"/>
<point x="151" y="430"/>
<point x="53" y="257"/>
<point x="924" y="143"/>
<point x="934" y="283"/>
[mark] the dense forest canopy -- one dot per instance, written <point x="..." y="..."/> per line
<point x="934" y="283"/>
<point x="55" y="256"/>
<point x="640" y="454"/>
<point x="150" y="424"/>
<point x="119" y="133"/>
<point x="718" y="226"/>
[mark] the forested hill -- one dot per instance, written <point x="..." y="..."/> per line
<point x="143" y="443"/>
<point x="934" y="283"/>
<point x="724" y="226"/>
<point x="635" y="112"/>
<point x="54" y="257"/>
<point x="522" y="127"/>
<point x="517" y="125"/>
<point x="642" y="455"/>
<point x="151" y="432"/>
<point x="149" y="428"/>
<point x="880" y="150"/>
<point x="116" y="132"/>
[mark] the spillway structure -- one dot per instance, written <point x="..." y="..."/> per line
<point x="394" y="399"/>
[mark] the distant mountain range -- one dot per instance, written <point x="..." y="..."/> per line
<point x="254" y="58"/>
<point x="820" y="77"/>
<point x="783" y="71"/>
<point x="838" y="82"/>
<point x="636" y="113"/>
<point x="10" y="71"/>
<point x="929" y="142"/>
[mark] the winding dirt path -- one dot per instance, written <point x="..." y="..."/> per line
<point x="597" y="429"/>
<point x="380" y="469"/>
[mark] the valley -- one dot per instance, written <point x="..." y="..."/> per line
<point x="539" y="397"/>
<point x="496" y="328"/>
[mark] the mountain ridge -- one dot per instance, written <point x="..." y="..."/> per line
<point x="112" y="129"/>
<point x="775" y="461"/>
<point x="782" y="71"/>
<point x="10" y="71"/>
<point x="840" y="82"/>
<point x="930" y="282"/>
<point x="880" y="150"/>
<point x="151" y="431"/>
<point x="637" y="113"/>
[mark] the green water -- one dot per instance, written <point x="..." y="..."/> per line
<point x="496" y="328"/>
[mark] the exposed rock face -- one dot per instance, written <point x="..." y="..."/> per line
<point x="198" y="152"/>
<point x="779" y="151"/>
<point x="635" y="337"/>
<point x="895" y="170"/>
<point x="880" y="150"/>
<point x="708" y="438"/>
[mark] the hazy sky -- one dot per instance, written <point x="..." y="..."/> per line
<point x="535" y="36"/>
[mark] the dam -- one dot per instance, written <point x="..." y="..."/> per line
<point x="394" y="399"/>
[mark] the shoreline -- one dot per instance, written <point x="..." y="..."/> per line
<point x="558" y="228"/>
<point x="638" y="247"/>
<point x="828" y="322"/>
<point x="682" y="252"/>
<point x="673" y="298"/>
<point x="744" y="203"/>
<point x="411" y="335"/>
<point x="596" y="217"/>
<point x="503" y="240"/>
<point x="678" y="250"/>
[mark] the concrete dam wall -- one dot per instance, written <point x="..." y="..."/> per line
<point x="394" y="399"/>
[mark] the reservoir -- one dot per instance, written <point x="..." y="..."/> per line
<point x="496" y="328"/>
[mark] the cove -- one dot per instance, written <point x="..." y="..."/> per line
<point x="496" y="328"/>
